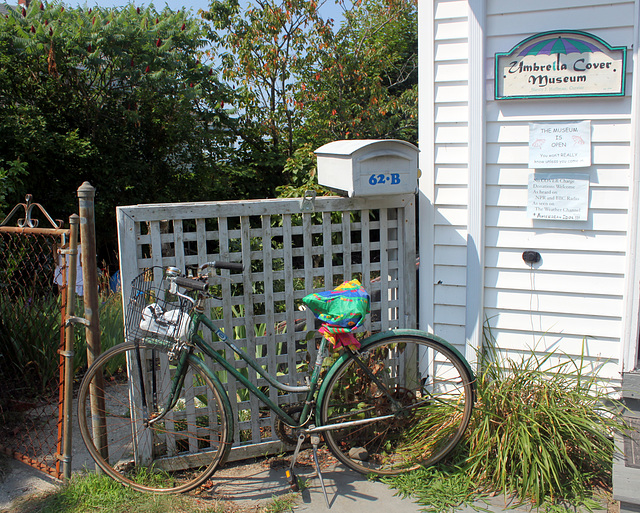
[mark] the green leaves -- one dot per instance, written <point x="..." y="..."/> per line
<point x="91" y="95"/>
<point x="540" y="430"/>
<point x="363" y="81"/>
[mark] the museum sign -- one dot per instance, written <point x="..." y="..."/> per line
<point x="560" y="64"/>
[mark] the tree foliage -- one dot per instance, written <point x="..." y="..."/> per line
<point x="301" y="82"/>
<point x="118" y="98"/>
<point x="129" y="100"/>
<point x="363" y="81"/>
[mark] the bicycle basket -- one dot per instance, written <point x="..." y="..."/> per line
<point x="154" y="312"/>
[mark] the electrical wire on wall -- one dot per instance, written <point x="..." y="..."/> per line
<point x="531" y="258"/>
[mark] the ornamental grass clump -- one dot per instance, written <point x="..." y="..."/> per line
<point x="541" y="431"/>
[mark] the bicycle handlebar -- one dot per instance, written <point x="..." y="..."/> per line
<point x="190" y="283"/>
<point x="233" y="266"/>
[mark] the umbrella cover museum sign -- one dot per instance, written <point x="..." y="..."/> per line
<point x="560" y="64"/>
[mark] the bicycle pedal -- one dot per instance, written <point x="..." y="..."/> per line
<point x="293" y="480"/>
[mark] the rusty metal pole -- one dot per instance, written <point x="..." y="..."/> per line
<point x="72" y="251"/>
<point x="86" y="195"/>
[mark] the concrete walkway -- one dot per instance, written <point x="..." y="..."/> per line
<point x="247" y="487"/>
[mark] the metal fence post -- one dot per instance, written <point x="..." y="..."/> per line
<point x="86" y="195"/>
<point x="72" y="251"/>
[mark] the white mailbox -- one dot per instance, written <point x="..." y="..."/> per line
<point x="369" y="167"/>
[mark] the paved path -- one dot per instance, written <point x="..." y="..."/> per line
<point x="249" y="486"/>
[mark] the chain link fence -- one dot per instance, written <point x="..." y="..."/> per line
<point x="32" y="306"/>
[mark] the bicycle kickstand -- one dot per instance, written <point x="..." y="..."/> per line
<point x="291" y="475"/>
<point x="315" y="441"/>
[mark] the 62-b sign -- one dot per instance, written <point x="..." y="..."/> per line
<point x="384" y="179"/>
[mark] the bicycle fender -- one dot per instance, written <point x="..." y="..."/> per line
<point x="381" y="336"/>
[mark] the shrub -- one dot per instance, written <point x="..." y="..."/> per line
<point x="539" y="433"/>
<point x="542" y="432"/>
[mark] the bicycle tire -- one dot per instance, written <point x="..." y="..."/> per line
<point x="176" y="454"/>
<point x="434" y="389"/>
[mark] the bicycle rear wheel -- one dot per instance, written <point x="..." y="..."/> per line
<point x="175" y="454"/>
<point x="413" y="404"/>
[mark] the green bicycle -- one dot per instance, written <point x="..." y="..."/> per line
<point x="157" y="418"/>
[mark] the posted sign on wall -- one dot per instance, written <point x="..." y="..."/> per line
<point x="561" y="197"/>
<point x="562" y="144"/>
<point x="560" y="63"/>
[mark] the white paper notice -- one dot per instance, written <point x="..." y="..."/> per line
<point x="564" y="144"/>
<point x="563" y="197"/>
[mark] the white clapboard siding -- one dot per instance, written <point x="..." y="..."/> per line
<point x="549" y="302"/>
<point x="287" y="254"/>
<point x="602" y="285"/>
<point x="578" y="288"/>
<point x="450" y="169"/>
<point x="558" y="261"/>
<point x="603" y="176"/>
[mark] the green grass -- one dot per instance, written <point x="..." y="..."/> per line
<point x="541" y="434"/>
<point x="280" y="503"/>
<point x="438" y="489"/>
<point x="90" y="492"/>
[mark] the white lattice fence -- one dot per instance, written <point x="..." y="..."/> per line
<point x="287" y="254"/>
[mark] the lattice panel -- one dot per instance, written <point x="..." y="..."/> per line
<point x="287" y="254"/>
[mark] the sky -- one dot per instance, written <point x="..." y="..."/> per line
<point x="328" y="9"/>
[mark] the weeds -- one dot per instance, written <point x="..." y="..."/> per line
<point x="540" y="433"/>
<point x="281" y="503"/>
<point x="439" y="489"/>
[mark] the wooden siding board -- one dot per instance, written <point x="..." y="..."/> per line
<point x="549" y="110"/>
<point x="590" y="18"/>
<point x="499" y="8"/>
<point x="451" y="92"/>
<point x="557" y="323"/>
<point x="524" y="339"/>
<point x="556" y="240"/>
<point x="450" y="275"/>
<point x="450" y="255"/>
<point x="448" y="29"/>
<point x="452" y="333"/>
<point x="572" y="283"/>
<point x="599" y="198"/>
<point x="452" y="51"/>
<point x="602" y="131"/>
<point x="451" y="113"/>
<point x="450" y="195"/>
<point x="516" y="217"/>
<point x="450" y="235"/>
<point x="548" y="302"/>
<point x="450" y="9"/>
<point x="448" y="295"/>
<point x="451" y="175"/>
<point x="449" y="314"/>
<point x="451" y="216"/>
<point x="559" y="261"/>
<point x="451" y="72"/>
<point x="602" y="176"/>
<point x="452" y="134"/>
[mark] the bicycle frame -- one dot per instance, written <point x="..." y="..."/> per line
<point x="200" y="318"/>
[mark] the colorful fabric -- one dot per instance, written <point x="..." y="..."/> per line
<point x="341" y="310"/>
<point x="339" y="337"/>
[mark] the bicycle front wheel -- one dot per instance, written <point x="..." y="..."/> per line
<point x="405" y="403"/>
<point x="128" y="386"/>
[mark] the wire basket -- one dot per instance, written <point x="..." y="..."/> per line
<point x="154" y="312"/>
